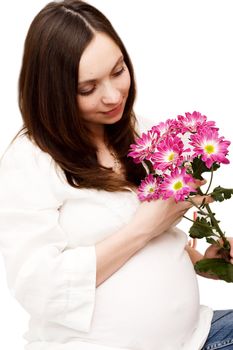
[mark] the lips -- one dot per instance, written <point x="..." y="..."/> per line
<point x="114" y="109"/>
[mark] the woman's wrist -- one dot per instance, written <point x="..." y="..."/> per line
<point x="142" y="234"/>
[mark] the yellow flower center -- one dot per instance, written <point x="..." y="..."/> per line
<point x="171" y="156"/>
<point x="178" y="185"/>
<point x="151" y="190"/>
<point x="209" y="149"/>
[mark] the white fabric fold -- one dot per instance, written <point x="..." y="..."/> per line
<point x="50" y="280"/>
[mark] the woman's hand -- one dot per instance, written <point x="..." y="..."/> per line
<point x="155" y="217"/>
<point x="213" y="251"/>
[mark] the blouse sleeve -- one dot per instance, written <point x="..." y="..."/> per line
<point x="50" y="280"/>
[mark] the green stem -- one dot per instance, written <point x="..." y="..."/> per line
<point x="199" y="223"/>
<point x="188" y="218"/>
<point x="215" y="223"/>
<point x="199" y="209"/>
<point x="211" y="179"/>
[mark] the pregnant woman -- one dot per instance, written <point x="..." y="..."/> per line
<point x="94" y="267"/>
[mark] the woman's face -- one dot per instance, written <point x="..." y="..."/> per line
<point x="104" y="82"/>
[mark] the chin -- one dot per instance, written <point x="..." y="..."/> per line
<point x="114" y="120"/>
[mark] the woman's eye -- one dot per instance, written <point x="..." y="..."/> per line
<point x="89" y="92"/>
<point x="85" y="93"/>
<point x="119" y="72"/>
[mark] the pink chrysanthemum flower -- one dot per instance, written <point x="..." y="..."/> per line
<point x="149" y="189"/>
<point x="170" y="126"/>
<point x="177" y="185"/>
<point x="193" y="122"/>
<point x="144" y="147"/>
<point x="169" y="153"/>
<point x="210" y="147"/>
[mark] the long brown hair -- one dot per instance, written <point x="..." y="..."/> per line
<point x="48" y="83"/>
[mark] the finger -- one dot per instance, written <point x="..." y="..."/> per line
<point x="196" y="200"/>
<point x="203" y="182"/>
<point x="230" y="239"/>
<point x="197" y="183"/>
<point x="200" y="183"/>
<point x="199" y="200"/>
<point x="212" y="252"/>
<point x="192" y="243"/>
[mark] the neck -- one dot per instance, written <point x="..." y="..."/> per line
<point x="97" y="132"/>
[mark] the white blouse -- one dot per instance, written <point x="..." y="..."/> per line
<point x="48" y="233"/>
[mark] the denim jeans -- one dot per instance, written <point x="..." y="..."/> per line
<point x="221" y="331"/>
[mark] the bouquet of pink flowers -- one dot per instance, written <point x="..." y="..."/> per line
<point x="174" y="154"/>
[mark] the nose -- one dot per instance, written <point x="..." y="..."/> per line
<point x="111" y="94"/>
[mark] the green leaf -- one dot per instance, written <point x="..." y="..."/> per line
<point x="216" y="267"/>
<point x="210" y="240"/>
<point x="219" y="193"/>
<point x="201" y="228"/>
<point x="199" y="167"/>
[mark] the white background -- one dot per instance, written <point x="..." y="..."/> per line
<point x="182" y="54"/>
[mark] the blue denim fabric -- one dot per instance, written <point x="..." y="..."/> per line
<point x="221" y="331"/>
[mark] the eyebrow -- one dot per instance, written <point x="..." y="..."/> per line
<point x="121" y="58"/>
